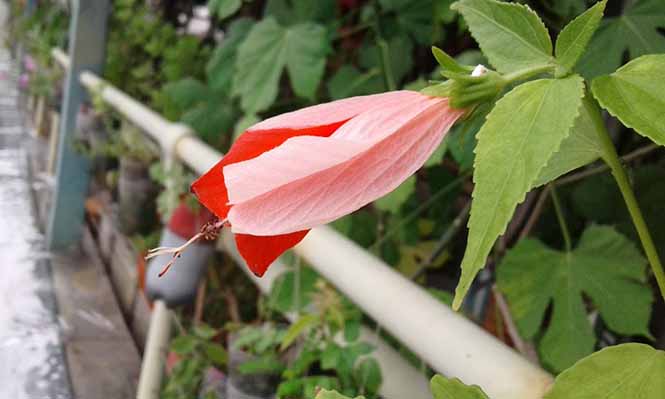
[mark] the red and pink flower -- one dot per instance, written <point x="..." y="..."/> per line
<point x="295" y="171"/>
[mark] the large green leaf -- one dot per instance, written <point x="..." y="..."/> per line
<point x="510" y="35"/>
<point x="635" y="32"/>
<point x="628" y="371"/>
<point x="634" y="94"/>
<point x="605" y="266"/>
<point x="271" y="47"/>
<point x="522" y="132"/>
<point x="573" y="39"/>
<point x="453" y="388"/>
<point x="580" y="148"/>
<point x="186" y="93"/>
<point x="221" y="66"/>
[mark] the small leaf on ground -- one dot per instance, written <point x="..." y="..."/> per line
<point x="605" y="266"/>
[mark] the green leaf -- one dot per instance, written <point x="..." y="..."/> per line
<point x="392" y="201"/>
<point x="400" y="49"/>
<point x="204" y="331"/>
<point x="326" y="394"/>
<point x="298" y="328"/>
<point x="510" y="35"/>
<point x="447" y="62"/>
<point x="183" y="344"/>
<point x="348" y="81"/>
<point x="211" y="121"/>
<point x="220" y="67"/>
<point x="522" y="132"/>
<point x="186" y="93"/>
<point x="216" y="353"/>
<point x="283" y="296"/>
<point x="573" y="39"/>
<point x="580" y="148"/>
<point x="267" y="50"/>
<point x="291" y="12"/>
<point x="632" y="371"/>
<point x="605" y="266"/>
<point x="634" y="94"/>
<point x="452" y="388"/>
<point x="266" y="364"/>
<point x="635" y="32"/>
<point x="367" y="375"/>
<point x="224" y="8"/>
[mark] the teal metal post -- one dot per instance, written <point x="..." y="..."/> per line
<point x="87" y="48"/>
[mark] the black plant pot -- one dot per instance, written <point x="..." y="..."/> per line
<point x="247" y="386"/>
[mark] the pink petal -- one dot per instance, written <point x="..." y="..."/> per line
<point x="308" y="181"/>
<point x="332" y="112"/>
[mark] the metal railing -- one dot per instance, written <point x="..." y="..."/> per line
<point x="447" y="341"/>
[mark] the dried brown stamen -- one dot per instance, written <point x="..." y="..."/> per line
<point x="209" y="231"/>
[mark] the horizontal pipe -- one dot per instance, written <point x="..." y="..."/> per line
<point x="447" y="341"/>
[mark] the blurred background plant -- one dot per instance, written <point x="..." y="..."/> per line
<point x="221" y="66"/>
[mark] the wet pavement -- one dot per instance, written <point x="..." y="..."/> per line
<point x="31" y="355"/>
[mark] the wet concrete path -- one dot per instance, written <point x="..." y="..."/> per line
<point x="31" y="357"/>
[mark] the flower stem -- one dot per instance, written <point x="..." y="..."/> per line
<point x="561" y="218"/>
<point x="610" y="156"/>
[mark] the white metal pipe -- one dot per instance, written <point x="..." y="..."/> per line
<point x="446" y="340"/>
<point x="156" y="350"/>
<point x="400" y="379"/>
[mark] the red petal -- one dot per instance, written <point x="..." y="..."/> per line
<point x="260" y="251"/>
<point x="210" y="188"/>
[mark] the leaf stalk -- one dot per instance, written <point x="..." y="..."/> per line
<point x="611" y="157"/>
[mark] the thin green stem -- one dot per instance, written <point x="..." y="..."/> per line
<point x="528" y="73"/>
<point x="561" y="218"/>
<point x="611" y="157"/>
<point x="386" y="66"/>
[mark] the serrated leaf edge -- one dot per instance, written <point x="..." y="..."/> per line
<point x="458" y="4"/>
<point x="457" y="301"/>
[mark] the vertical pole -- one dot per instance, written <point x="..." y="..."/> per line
<point x="87" y="45"/>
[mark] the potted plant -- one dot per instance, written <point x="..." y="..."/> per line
<point x="330" y="354"/>
<point x="136" y="190"/>
<point x="194" y="356"/>
<point x="255" y="362"/>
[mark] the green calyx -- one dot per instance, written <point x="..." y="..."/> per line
<point x="467" y="87"/>
<point x="463" y="87"/>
